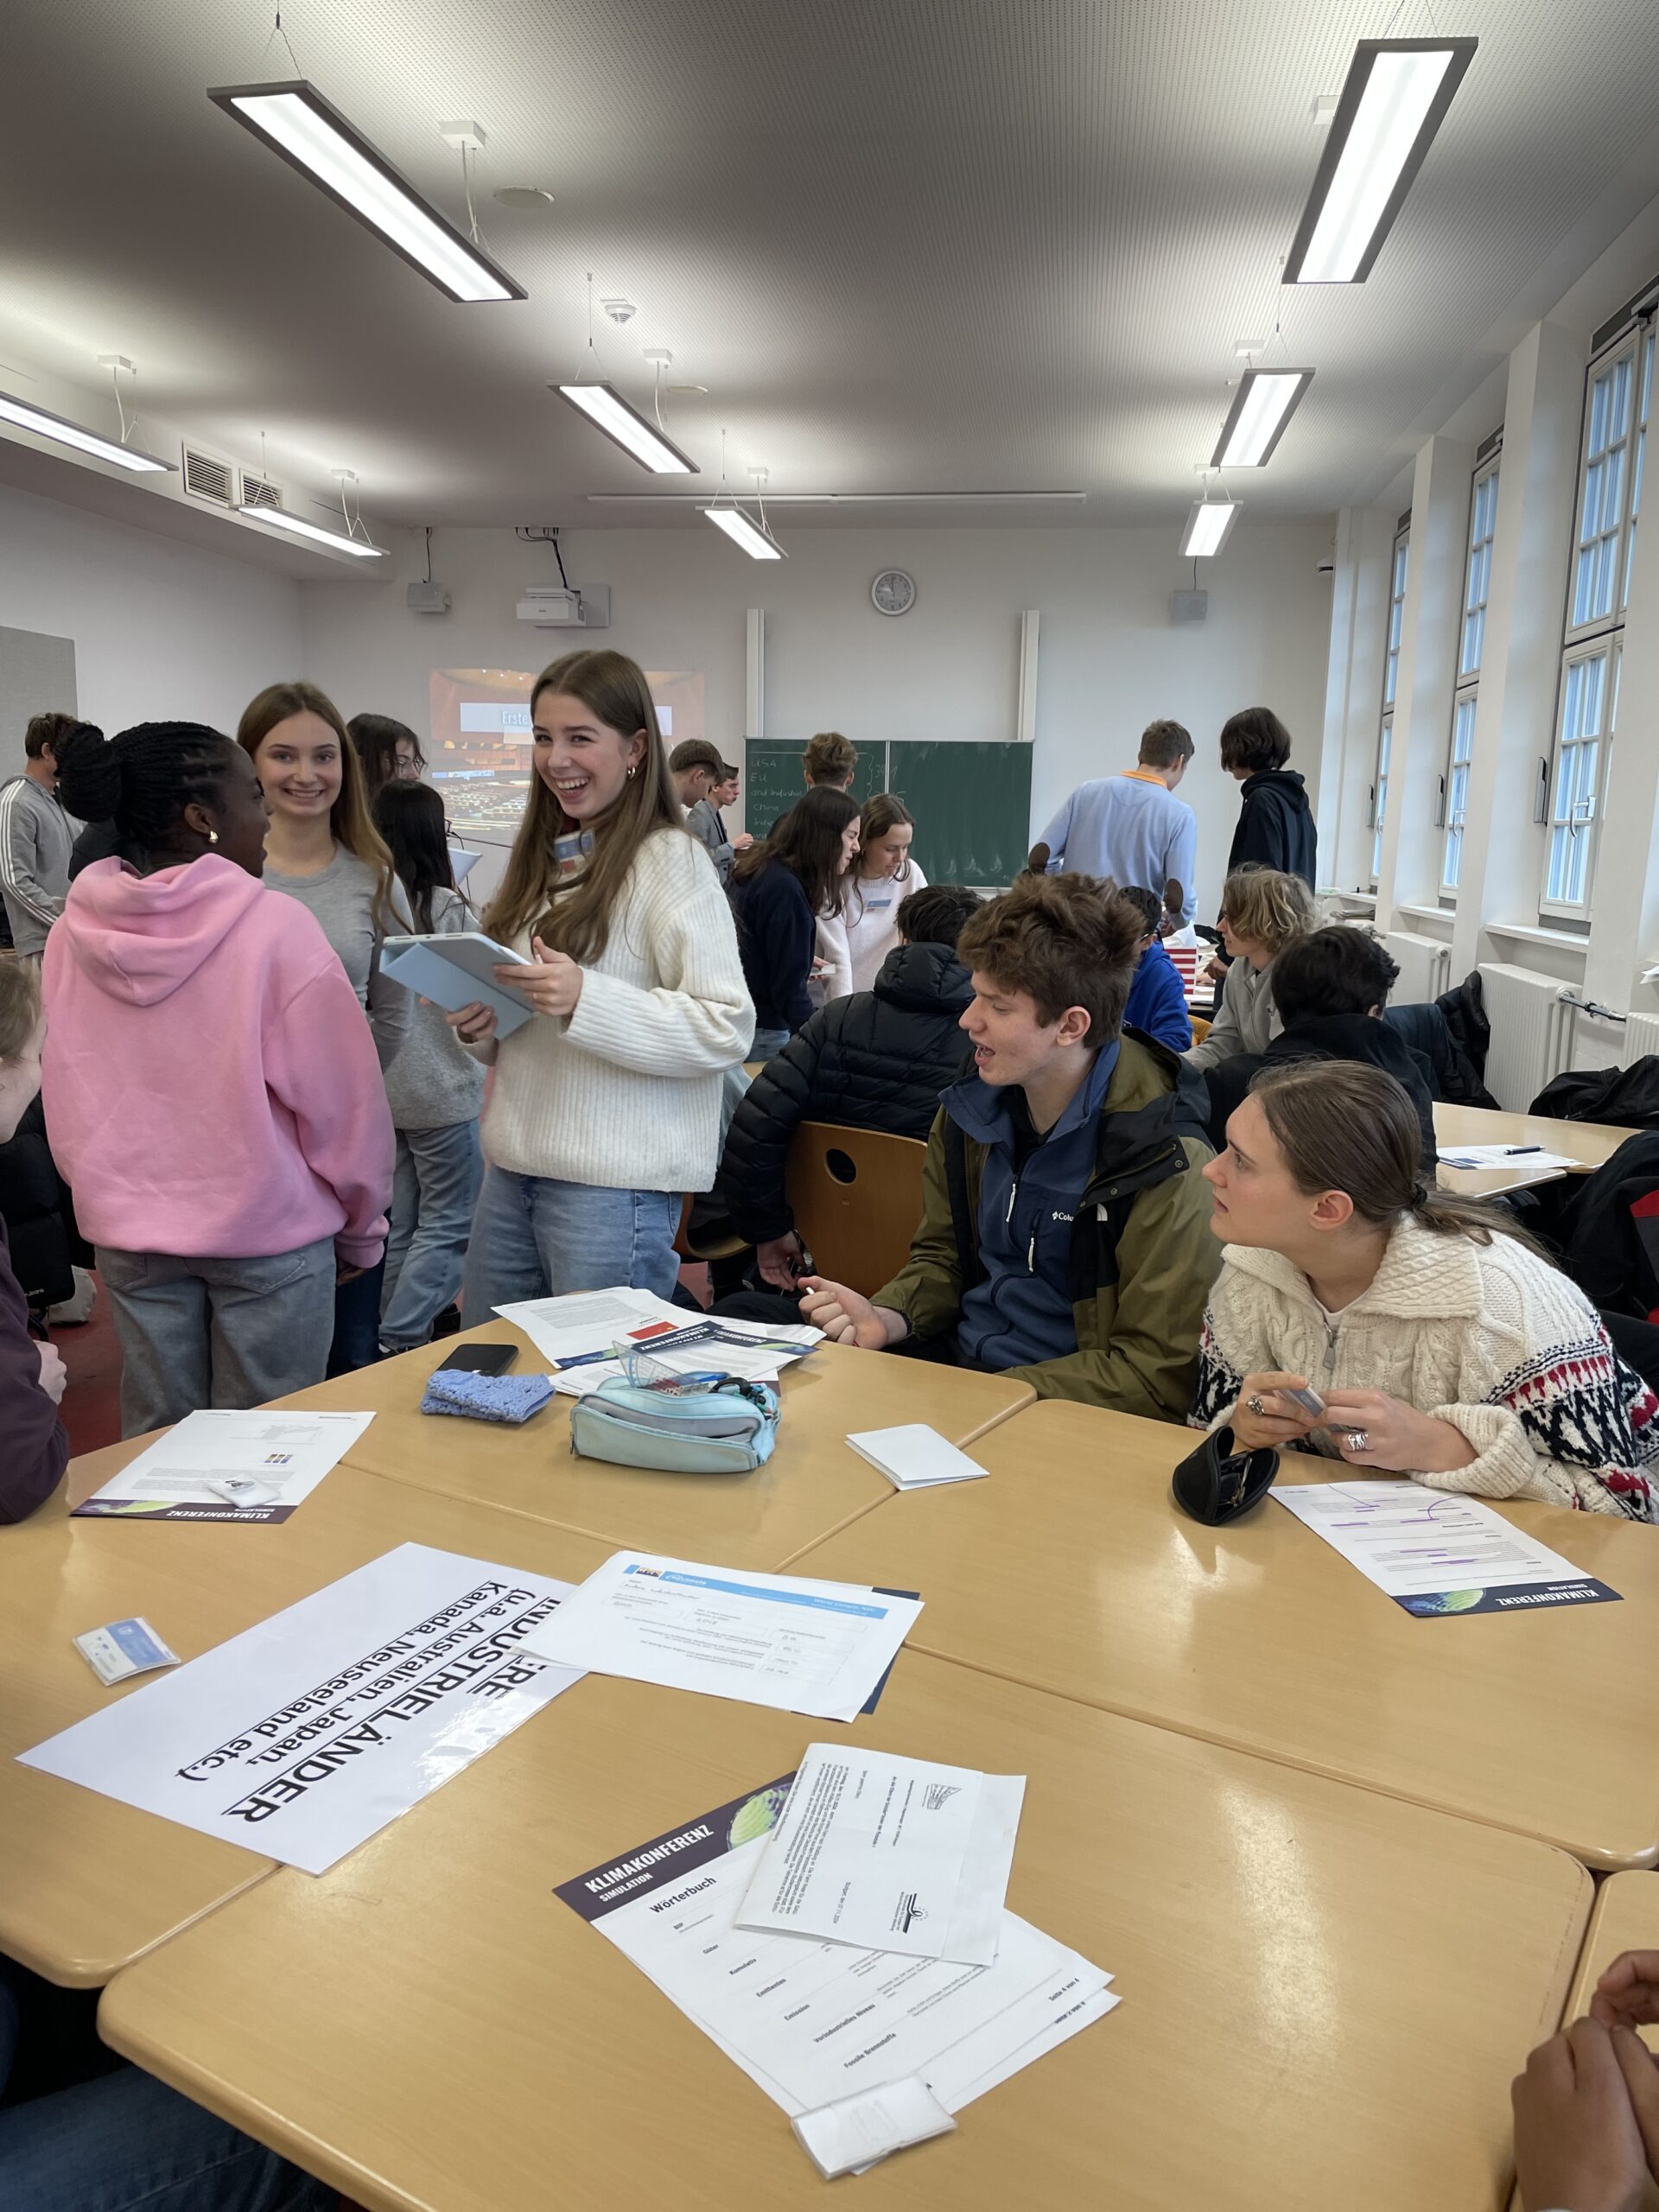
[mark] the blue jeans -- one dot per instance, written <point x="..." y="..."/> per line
<point x="768" y="1043"/>
<point x="357" y="1321"/>
<point x="434" y="1191"/>
<point x="232" y="1333"/>
<point x="126" y="2140"/>
<point x="126" y="2143"/>
<point x="533" y="1237"/>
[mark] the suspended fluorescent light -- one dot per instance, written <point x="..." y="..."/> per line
<point x="281" y="519"/>
<point x="760" y="544"/>
<point x="1208" y="528"/>
<point x="1397" y="94"/>
<point x="312" y="136"/>
<point x="1263" y="404"/>
<point x="23" y="415"/>
<point x="608" y="411"/>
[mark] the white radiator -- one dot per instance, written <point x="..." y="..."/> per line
<point x="1425" y="967"/>
<point x="1641" y="1038"/>
<point x="1532" y="1033"/>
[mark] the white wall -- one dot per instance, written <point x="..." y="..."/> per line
<point x="162" y="632"/>
<point x="1111" y="660"/>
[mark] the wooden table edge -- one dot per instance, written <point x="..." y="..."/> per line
<point x="81" y="1972"/>
<point x="1601" y="1860"/>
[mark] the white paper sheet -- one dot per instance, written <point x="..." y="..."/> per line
<point x="307" y="1733"/>
<point x="1524" y="1157"/>
<point x="229" y="1466"/>
<point x="778" y="1640"/>
<point x="890" y="1854"/>
<point x="811" y="2022"/>
<point x="1417" y="1543"/>
<point x="587" y="1320"/>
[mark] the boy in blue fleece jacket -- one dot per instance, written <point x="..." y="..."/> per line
<point x="1157" y="1004"/>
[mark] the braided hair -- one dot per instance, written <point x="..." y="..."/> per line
<point x="143" y="780"/>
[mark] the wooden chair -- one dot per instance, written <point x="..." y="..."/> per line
<point x="719" y="1247"/>
<point x="856" y="1196"/>
<point x="1200" y="1029"/>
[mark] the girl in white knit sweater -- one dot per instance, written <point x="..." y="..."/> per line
<point x="605" y="1106"/>
<point x="1443" y="1344"/>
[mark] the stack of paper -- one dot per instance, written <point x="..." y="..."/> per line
<point x="891" y="1853"/>
<point x="777" y="1640"/>
<point x="1525" y="1157"/>
<point x="914" y="1456"/>
<point x="580" y="1335"/>
<point x="809" y="2022"/>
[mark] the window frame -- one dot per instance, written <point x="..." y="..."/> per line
<point x="1392" y="640"/>
<point x="1633" y="342"/>
<point x="1465" y="691"/>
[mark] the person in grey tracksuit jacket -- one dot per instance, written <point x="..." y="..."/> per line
<point x="36" y="839"/>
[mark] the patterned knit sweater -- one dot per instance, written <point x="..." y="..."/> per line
<point x="625" y="1094"/>
<point x="1488" y="1336"/>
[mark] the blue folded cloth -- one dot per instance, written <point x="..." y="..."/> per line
<point x="511" y="1398"/>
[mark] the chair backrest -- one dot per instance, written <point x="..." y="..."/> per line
<point x="1200" y="1029"/>
<point x="856" y="1197"/>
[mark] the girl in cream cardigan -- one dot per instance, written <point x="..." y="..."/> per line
<point x="606" y="1105"/>
<point x="1443" y="1344"/>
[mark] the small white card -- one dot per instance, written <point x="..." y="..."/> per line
<point x="121" y="1648"/>
<point x="914" y="1456"/>
<point x="855" y="2131"/>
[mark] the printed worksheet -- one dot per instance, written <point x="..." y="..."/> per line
<point x="229" y="1466"/>
<point x="896" y="1854"/>
<point x="1437" y="1552"/>
<point x="811" y="2022"/>
<point x="778" y="1640"/>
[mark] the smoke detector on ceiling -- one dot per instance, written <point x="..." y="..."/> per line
<point x="522" y="196"/>
<point x="619" y="311"/>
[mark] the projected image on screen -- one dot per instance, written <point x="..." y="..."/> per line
<point x="479" y="756"/>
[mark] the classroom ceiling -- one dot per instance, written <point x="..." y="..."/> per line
<point x="906" y="244"/>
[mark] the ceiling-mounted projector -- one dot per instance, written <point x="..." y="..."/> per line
<point x="567" y="607"/>
<point x="550" y="607"/>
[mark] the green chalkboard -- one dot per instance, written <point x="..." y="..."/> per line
<point x="972" y="804"/>
<point x="772" y="779"/>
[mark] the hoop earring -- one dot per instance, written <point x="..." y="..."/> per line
<point x="633" y="772"/>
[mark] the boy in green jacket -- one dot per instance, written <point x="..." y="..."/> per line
<point x="1065" y="1234"/>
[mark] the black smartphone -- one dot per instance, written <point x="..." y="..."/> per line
<point x="481" y="1359"/>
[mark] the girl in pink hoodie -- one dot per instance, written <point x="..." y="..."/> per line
<point x="212" y="1092"/>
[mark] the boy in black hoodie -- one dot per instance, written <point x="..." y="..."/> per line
<point x="1276" y="824"/>
<point x="1330" y="988"/>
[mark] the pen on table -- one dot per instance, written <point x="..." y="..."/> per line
<point x="1512" y="1150"/>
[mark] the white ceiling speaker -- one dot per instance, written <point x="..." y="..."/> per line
<point x="528" y="196"/>
<point x="892" y="592"/>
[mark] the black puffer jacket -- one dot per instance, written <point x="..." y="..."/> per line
<point x="35" y="1206"/>
<point x="877" y="1060"/>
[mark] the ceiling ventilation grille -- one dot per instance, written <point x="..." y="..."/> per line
<point x="206" y="478"/>
<point x="259" y="491"/>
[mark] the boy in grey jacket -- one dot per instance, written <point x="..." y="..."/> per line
<point x="36" y="836"/>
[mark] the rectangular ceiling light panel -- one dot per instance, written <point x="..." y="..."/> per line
<point x="1264" y="402"/>
<point x="1208" y="528"/>
<point x="23" y="415"/>
<point x="281" y="519"/>
<point x="608" y="411"/>
<point x="312" y="136"/>
<point x="1397" y="94"/>
<point x="755" y="542"/>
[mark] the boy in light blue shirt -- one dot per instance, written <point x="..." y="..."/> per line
<point x="1131" y="826"/>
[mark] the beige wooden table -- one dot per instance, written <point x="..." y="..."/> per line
<point x="813" y="1483"/>
<point x="1625" y="1917"/>
<point x="1587" y="1144"/>
<point x="1071" y="1568"/>
<point x="1325" y="1992"/>
<point x="87" y="1883"/>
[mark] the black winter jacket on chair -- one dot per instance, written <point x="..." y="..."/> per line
<point x="876" y="1060"/>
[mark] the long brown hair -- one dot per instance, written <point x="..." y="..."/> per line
<point x="1343" y="1125"/>
<point x="574" y="918"/>
<point x="349" y="819"/>
<point x="807" y="842"/>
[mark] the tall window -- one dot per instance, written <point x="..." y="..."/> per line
<point x="1618" y="397"/>
<point x="1471" y="641"/>
<point x="1390" y="685"/>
